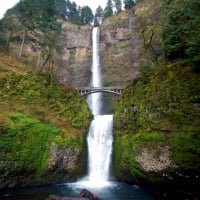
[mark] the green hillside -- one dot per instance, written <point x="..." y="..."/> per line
<point x="36" y="113"/>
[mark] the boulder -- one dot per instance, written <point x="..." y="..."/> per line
<point x="88" y="195"/>
<point x="83" y="195"/>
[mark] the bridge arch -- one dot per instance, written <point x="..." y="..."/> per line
<point x="84" y="91"/>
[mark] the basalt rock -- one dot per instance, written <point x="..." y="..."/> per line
<point x="87" y="194"/>
<point x="77" y="55"/>
<point x="83" y="195"/>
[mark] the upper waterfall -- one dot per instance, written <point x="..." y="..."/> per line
<point x="94" y="100"/>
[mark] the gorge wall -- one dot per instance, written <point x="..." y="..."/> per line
<point x="119" y="63"/>
<point x="77" y="55"/>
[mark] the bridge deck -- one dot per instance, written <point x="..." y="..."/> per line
<point x="88" y="90"/>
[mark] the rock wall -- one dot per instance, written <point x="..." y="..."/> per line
<point x="77" y="55"/>
<point x="118" y="58"/>
<point x="130" y="41"/>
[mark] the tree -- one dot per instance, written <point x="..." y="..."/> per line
<point x="8" y="30"/>
<point x="128" y="4"/>
<point x="181" y="31"/>
<point x="118" y="5"/>
<point x="86" y="16"/>
<point x="98" y="16"/>
<point x="108" y="11"/>
<point x="61" y="8"/>
<point x="39" y="25"/>
<point x="72" y="13"/>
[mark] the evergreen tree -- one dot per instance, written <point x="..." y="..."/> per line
<point x="98" y="16"/>
<point x="128" y="4"/>
<point x="181" y="31"/>
<point x="86" y="16"/>
<point x="72" y="13"/>
<point x="118" y="5"/>
<point x="108" y="11"/>
<point x="61" y="8"/>
<point x="37" y="19"/>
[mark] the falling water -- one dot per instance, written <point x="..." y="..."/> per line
<point x="100" y="134"/>
<point x="94" y="100"/>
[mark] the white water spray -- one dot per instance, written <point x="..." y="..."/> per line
<point x="94" y="100"/>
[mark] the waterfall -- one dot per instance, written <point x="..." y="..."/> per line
<point x="94" y="100"/>
<point x="100" y="137"/>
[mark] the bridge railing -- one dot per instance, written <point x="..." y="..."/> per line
<point x="100" y="88"/>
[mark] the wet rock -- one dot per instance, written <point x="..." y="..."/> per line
<point x="88" y="195"/>
<point x="155" y="159"/>
<point x="63" y="158"/>
<point x="83" y="195"/>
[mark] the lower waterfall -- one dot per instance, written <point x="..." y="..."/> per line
<point x="100" y="148"/>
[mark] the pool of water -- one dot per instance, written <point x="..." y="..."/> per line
<point x="112" y="191"/>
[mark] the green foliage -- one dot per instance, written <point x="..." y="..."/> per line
<point x="128" y="4"/>
<point x="145" y="138"/>
<point x="108" y="11"/>
<point x="69" y="141"/>
<point x="35" y="113"/>
<point x="72" y="13"/>
<point x="86" y="15"/>
<point x="78" y="15"/>
<point x="181" y="31"/>
<point x="118" y="5"/>
<point x="98" y="17"/>
<point x="186" y="149"/>
<point x="161" y="107"/>
<point x="124" y="164"/>
<point x="26" y="143"/>
<point x="61" y="8"/>
<point x="35" y="90"/>
<point x="38" y="14"/>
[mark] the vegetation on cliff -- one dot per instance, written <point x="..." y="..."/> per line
<point x="156" y="123"/>
<point x="161" y="107"/>
<point x="37" y="113"/>
<point x="181" y="31"/>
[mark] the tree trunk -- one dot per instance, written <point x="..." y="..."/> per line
<point x="22" y="45"/>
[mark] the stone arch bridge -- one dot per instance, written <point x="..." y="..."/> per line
<point x="84" y="91"/>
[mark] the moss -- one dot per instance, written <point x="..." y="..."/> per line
<point x="26" y="143"/>
<point x="186" y="149"/>
<point x="124" y="164"/>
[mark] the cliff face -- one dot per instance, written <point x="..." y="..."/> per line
<point x="119" y="64"/>
<point x="70" y="65"/>
<point x="129" y="41"/>
<point x="77" y="55"/>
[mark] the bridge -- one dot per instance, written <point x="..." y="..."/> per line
<point x="89" y="90"/>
